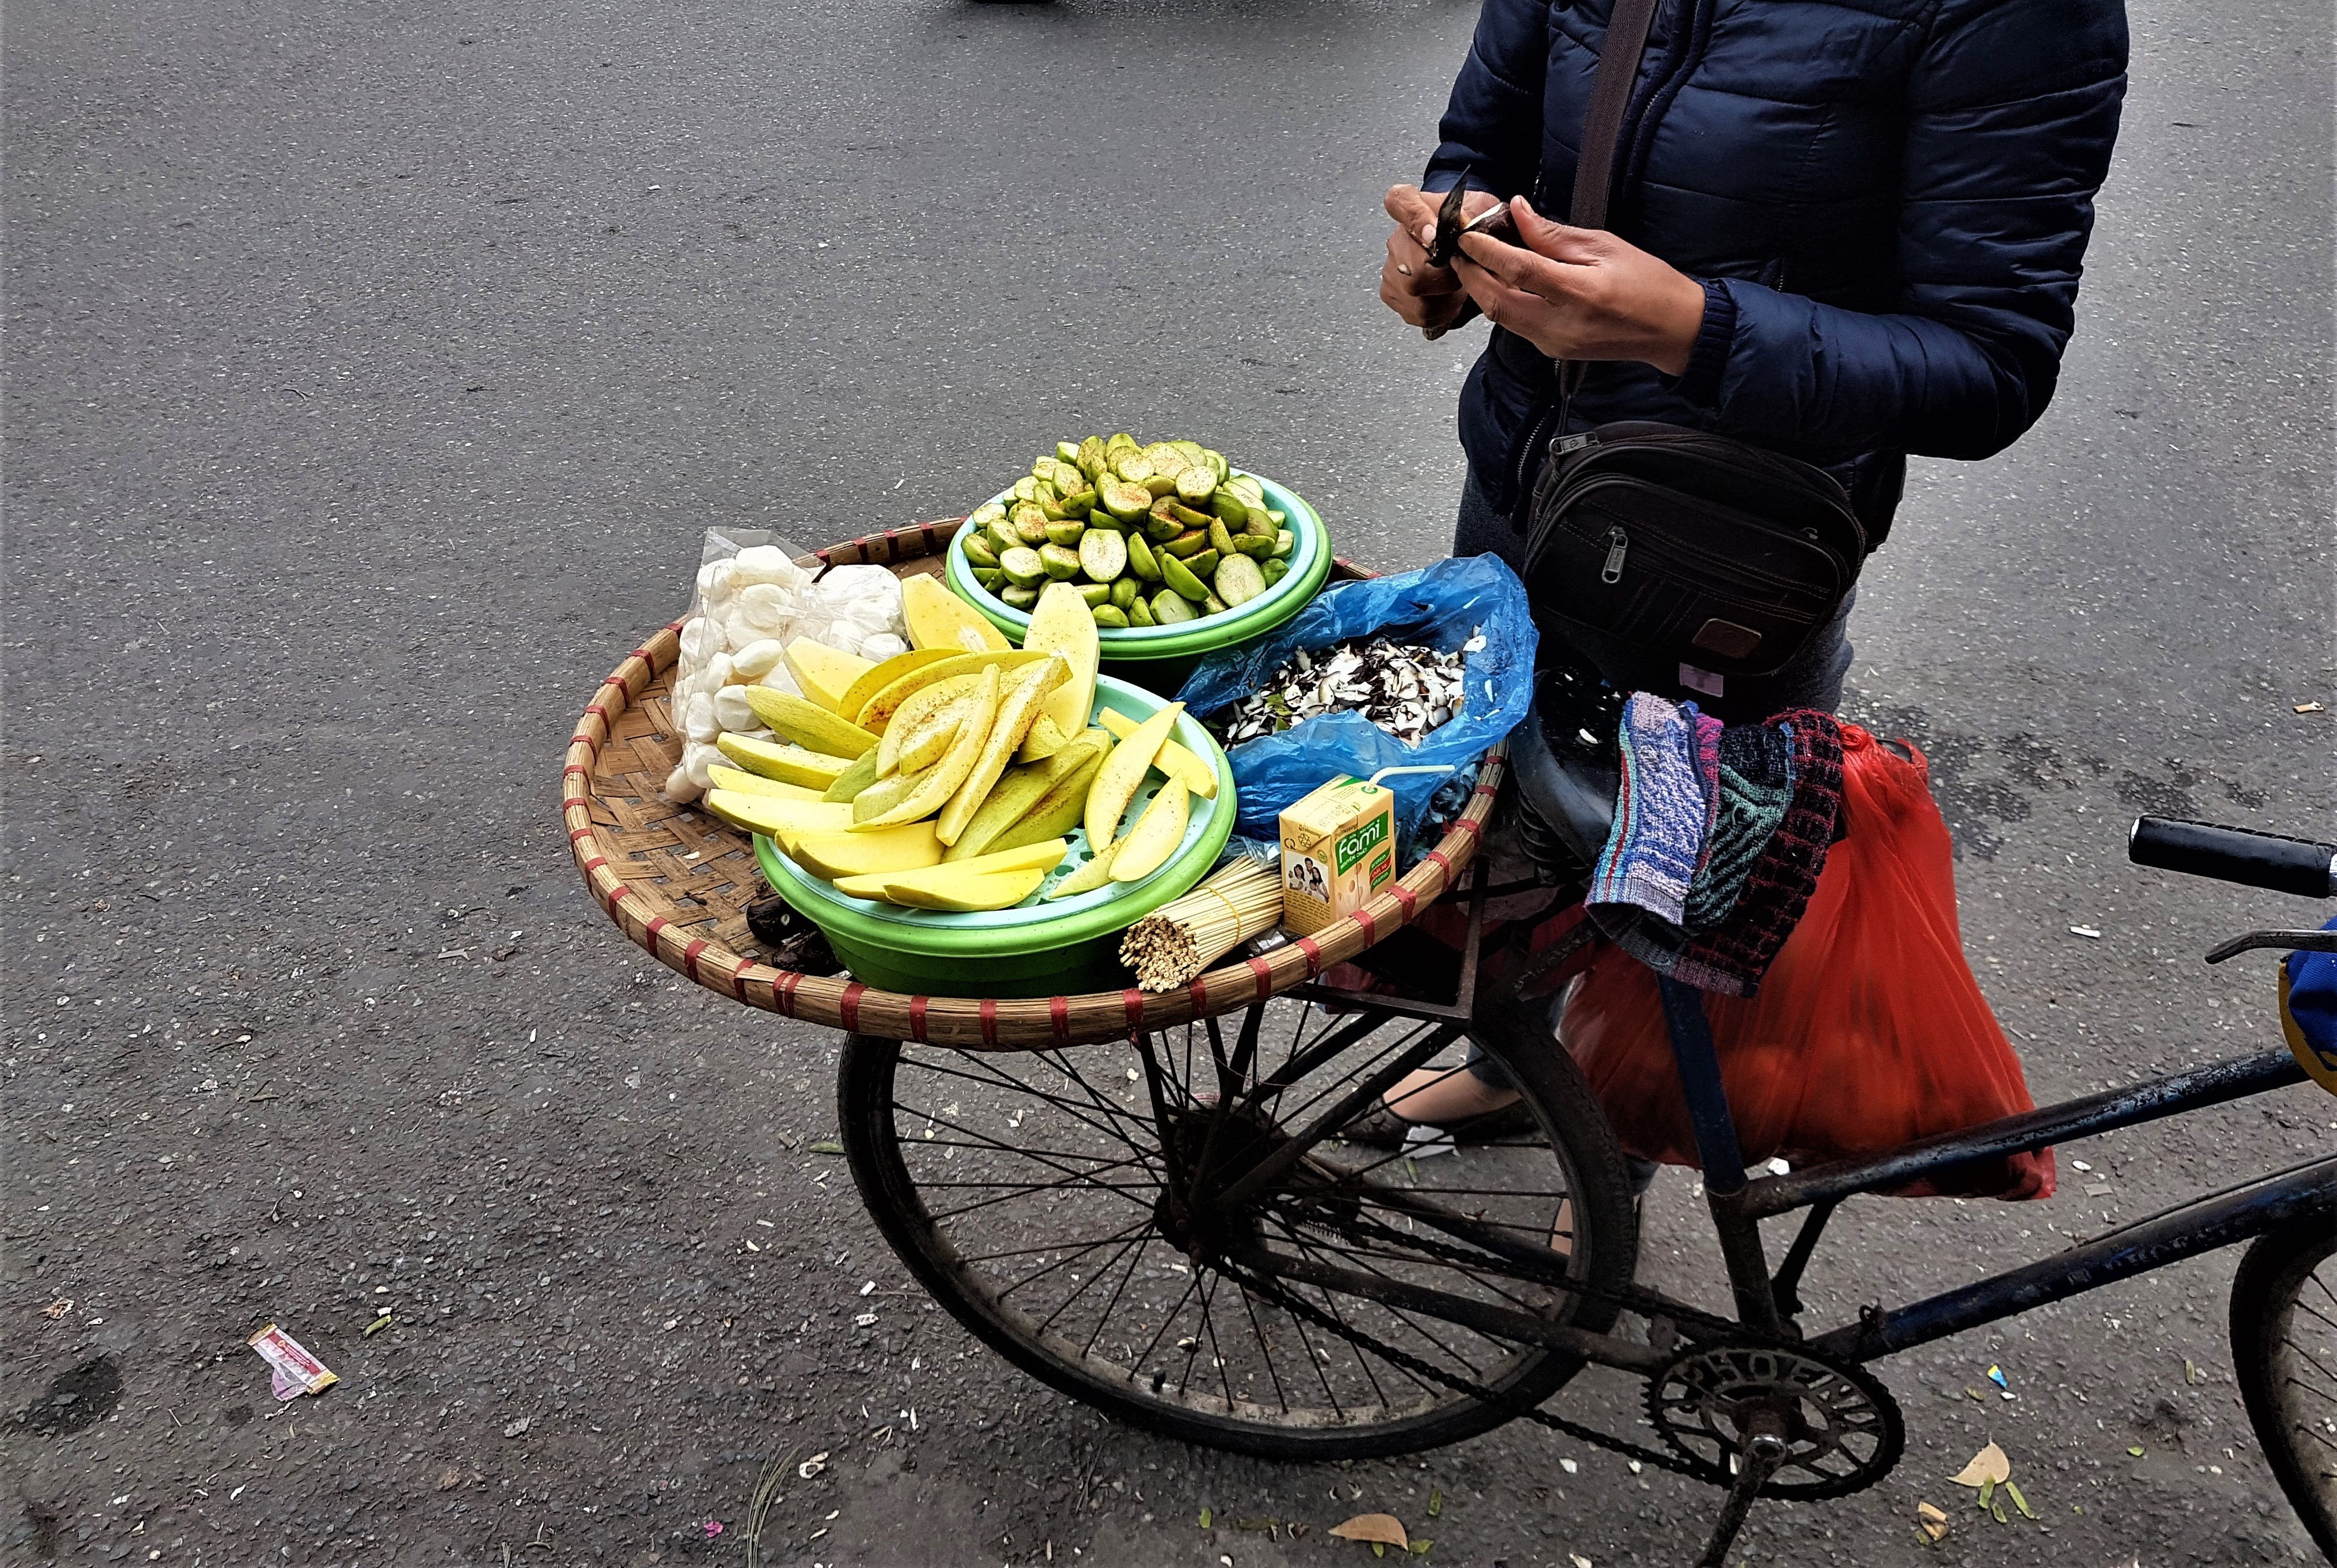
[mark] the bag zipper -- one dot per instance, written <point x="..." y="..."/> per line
<point x="1618" y="544"/>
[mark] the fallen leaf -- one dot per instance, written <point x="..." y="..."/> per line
<point x="1925" y="1510"/>
<point x="57" y="1308"/>
<point x="1205" y="1518"/>
<point x="1987" y="1468"/>
<point x="827" y="1146"/>
<point x="1422" y="1547"/>
<point x="2136" y="1451"/>
<point x="1998" y="1512"/>
<point x="2018" y="1500"/>
<point x="1381" y="1527"/>
<point x="1435" y="1503"/>
<point x="377" y="1326"/>
<point x="1258" y="1526"/>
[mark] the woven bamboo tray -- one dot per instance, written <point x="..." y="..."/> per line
<point x="678" y="882"/>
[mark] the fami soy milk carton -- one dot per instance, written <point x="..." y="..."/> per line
<point x="1338" y="850"/>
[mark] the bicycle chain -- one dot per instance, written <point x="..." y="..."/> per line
<point x="1274" y="1291"/>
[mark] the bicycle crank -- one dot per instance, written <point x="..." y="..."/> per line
<point x="1814" y="1427"/>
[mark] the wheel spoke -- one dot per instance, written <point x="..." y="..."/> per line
<point x="1086" y="1244"/>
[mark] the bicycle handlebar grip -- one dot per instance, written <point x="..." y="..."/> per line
<point x="2252" y="859"/>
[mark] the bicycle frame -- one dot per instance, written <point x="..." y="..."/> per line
<point x="1768" y="1304"/>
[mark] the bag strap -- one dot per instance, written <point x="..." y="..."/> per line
<point x="1602" y="122"/>
<point x="1602" y="128"/>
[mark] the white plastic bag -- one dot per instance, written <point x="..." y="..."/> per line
<point x="753" y="598"/>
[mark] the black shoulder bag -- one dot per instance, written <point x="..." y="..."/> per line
<point x="1682" y="545"/>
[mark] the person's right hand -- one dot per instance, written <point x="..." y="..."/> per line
<point x="1424" y="296"/>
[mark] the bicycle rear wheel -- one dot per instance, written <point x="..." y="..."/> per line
<point x="2284" y="1349"/>
<point x="1057" y="1204"/>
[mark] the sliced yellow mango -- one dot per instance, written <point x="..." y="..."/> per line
<point x="940" y="619"/>
<point x="787" y="764"/>
<point x="878" y="710"/>
<point x="949" y="887"/>
<point x="825" y="673"/>
<point x="1172" y="759"/>
<point x="853" y="780"/>
<point x="1062" y="622"/>
<point x="1044" y="739"/>
<point x="1035" y="861"/>
<point x="771" y="816"/>
<point x="926" y="706"/>
<point x="1016" y="709"/>
<point x="806" y="723"/>
<point x="1156" y="835"/>
<point x="1018" y="793"/>
<point x="883" y="795"/>
<point x="755" y="783"/>
<point x="883" y="674"/>
<point x="938" y="783"/>
<point x="911" y="847"/>
<point x="1123" y="774"/>
<point x="1088" y="878"/>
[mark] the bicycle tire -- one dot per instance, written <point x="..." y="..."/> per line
<point x="2286" y="1289"/>
<point x="1579" y="1140"/>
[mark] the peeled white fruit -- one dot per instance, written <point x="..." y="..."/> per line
<point x="732" y="710"/>
<point x="756" y="659"/>
<point x="717" y="672"/>
<point x="679" y="788"/>
<point x="717" y="583"/>
<point x="882" y="646"/>
<point x="700" y="762"/>
<point x="698" y="719"/>
<point x="766" y="606"/>
<point x="770" y="563"/>
<point x="700" y="640"/>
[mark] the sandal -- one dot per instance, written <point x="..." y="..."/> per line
<point x="1381" y="1128"/>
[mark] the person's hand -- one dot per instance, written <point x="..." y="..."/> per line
<point x="1425" y="296"/>
<point x="1582" y="293"/>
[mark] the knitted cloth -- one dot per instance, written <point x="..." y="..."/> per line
<point x="1658" y="832"/>
<point x="1756" y="785"/>
<point x="1732" y="958"/>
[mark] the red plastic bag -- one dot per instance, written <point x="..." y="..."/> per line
<point x="1868" y="1031"/>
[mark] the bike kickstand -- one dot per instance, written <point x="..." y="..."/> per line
<point x="1764" y="1450"/>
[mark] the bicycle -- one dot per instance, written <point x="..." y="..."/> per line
<point x="1170" y="1232"/>
<point x="1141" y="1200"/>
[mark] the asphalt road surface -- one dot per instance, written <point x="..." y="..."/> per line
<point x="371" y="371"/>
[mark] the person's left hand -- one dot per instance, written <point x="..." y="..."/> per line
<point x="1582" y="293"/>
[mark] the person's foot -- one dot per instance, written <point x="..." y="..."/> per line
<point x="1450" y="1099"/>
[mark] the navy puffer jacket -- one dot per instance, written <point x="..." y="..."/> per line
<point x="1887" y="202"/>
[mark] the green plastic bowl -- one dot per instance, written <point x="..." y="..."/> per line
<point x="1035" y="948"/>
<point x="1158" y="656"/>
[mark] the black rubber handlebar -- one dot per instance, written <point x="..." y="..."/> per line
<point x="2252" y="859"/>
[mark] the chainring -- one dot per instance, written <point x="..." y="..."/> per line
<point x="1842" y="1427"/>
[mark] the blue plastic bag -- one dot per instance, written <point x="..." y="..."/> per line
<point x="1441" y="607"/>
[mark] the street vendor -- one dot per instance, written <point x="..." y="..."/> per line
<point x="1843" y="235"/>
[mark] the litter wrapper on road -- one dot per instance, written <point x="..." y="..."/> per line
<point x="296" y="1371"/>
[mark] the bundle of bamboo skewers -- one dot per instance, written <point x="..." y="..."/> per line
<point x="1179" y="940"/>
